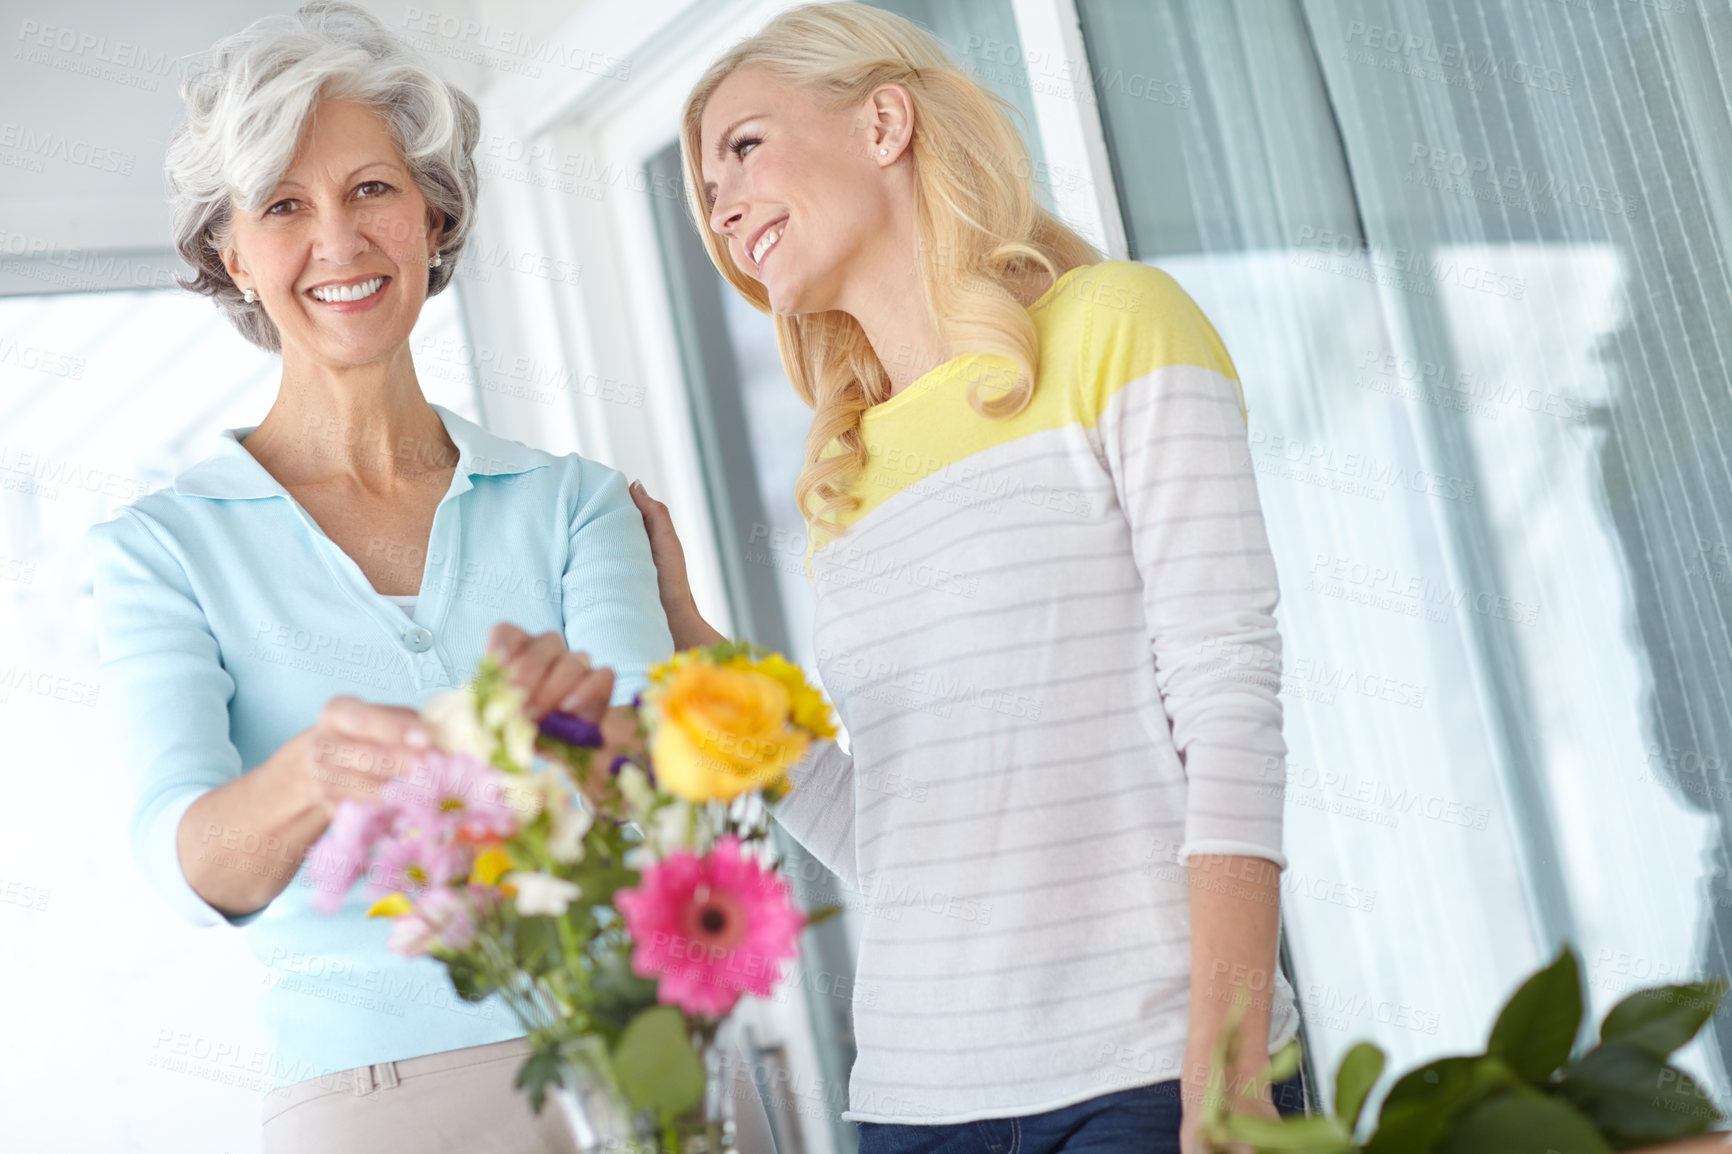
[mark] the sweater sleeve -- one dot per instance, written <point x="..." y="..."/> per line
<point x="819" y="810"/>
<point x="167" y="696"/>
<point x="1172" y="430"/>
<point x="611" y="608"/>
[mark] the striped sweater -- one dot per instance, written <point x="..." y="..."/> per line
<point x="1050" y="638"/>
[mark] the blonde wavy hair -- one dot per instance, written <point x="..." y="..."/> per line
<point x="979" y="227"/>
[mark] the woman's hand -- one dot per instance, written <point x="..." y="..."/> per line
<point x="1192" y="1111"/>
<point x="558" y="679"/>
<point x="554" y="677"/>
<point x="352" y="750"/>
<point x="241" y="843"/>
<point x="687" y="625"/>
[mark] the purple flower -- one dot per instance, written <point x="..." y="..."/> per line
<point x="572" y="730"/>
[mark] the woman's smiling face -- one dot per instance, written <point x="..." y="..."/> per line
<point x="794" y="188"/>
<point x="338" y="252"/>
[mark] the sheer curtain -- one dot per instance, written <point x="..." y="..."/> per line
<point x="1468" y="259"/>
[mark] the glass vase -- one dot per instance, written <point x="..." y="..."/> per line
<point x="595" y="1108"/>
<point x="602" y="1121"/>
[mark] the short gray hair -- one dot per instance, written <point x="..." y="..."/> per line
<point x="245" y="115"/>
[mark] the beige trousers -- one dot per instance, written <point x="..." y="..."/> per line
<point x="455" y="1102"/>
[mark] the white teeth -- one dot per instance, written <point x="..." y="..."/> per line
<point x="765" y="241"/>
<point x="352" y="292"/>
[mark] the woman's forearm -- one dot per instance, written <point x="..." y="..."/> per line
<point x="241" y="843"/>
<point x="690" y="630"/>
<point x="1235" y="920"/>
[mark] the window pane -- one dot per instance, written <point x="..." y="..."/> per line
<point x="981" y="36"/>
<point x="1470" y="422"/>
<point x="1556" y="174"/>
<point x="105" y="397"/>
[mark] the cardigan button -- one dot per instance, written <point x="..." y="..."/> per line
<point x="418" y="639"/>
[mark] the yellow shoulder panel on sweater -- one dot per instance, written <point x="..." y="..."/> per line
<point x="1100" y="327"/>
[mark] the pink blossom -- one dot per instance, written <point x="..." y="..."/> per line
<point x="445" y="916"/>
<point x="471" y="795"/>
<point x="340" y="855"/>
<point x="712" y="928"/>
<point x="419" y="854"/>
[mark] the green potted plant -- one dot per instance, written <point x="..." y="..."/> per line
<point x="1527" y="1093"/>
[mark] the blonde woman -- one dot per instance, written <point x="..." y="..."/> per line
<point x="1034" y="531"/>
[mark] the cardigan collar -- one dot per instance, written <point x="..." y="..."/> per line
<point x="232" y="473"/>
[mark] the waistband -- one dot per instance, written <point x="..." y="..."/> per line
<point x="364" y="1080"/>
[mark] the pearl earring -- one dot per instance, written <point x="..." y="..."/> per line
<point x="249" y="296"/>
<point x="436" y="261"/>
<point x="883" y="152"/>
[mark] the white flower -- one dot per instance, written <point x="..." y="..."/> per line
<point x="678" y="825"/>
<point x="570" y="819"/>
<point x="451" y="718"/>
<point x="519" y="737"/>
<point x="542" y="893"/>
<point x="523" y="794"/>
<point x="635" y="787"/>
<point x="503" y="704"/>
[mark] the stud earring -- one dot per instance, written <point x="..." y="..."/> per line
<point x="250" y="296"/>
<point x="436" y="261"/>
<point x="883" y="152"/>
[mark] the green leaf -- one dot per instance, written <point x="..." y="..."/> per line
<point x="1316" y="1134"/>
<point x="599" y="883"/>
<point x="1358" y="1073"/>
<point x="656" y="1065"/>
<point x="536" y="941"/>
<point x="1420" y="1107"/>
<point x="1630" y="1094"/>
<point x="537" y="1073"/>
<point x="1664" y="1018"/>
<point x="618" y="994"/>
<point x="1537" y="1028"/>
<point x="466" y="977"/>
<point x="1522" y="1123"/>
<point x="1283" y="1064"/>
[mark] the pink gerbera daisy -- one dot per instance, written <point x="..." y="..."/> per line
<point x="712" y="928"/>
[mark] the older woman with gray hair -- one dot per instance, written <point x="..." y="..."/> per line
<point x="269" y="623"/>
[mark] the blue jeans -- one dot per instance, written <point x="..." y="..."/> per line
<point x="1141" y="1120"/>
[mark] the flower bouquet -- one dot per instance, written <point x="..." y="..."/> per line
<point x="620" y="910"/>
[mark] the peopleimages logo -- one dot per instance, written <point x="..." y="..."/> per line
<point x="486" y="36"/>
<point x="1356" y="466"/>
<point x="1539" y="187"/>
<point x="58" y="146"/>
<point x="1409" y="267"/>
<point x="1471" y="62"/>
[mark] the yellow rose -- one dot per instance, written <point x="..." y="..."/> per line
<point x="809" y="709"/>
<point x="722" y="732"/>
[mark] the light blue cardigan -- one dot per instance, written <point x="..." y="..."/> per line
<point x="225" y="620"/>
